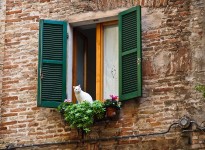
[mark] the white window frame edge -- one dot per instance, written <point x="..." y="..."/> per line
<point x="69" y="64"/>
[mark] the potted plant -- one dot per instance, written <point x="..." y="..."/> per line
<point x="112" y="106"/>
<point x="81" y="116"/>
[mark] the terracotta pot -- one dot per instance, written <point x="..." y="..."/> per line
<point x="111" y="111"/>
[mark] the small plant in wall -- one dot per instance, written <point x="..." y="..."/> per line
<point x="201" y="88"/>
<point x="81" y="116"/>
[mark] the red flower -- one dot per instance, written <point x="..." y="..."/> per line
<point x="113" y="97"/>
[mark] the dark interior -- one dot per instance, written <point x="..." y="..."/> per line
<point x="87" y="45"/>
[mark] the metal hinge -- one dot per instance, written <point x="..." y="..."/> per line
<point x="138" y="61"/>
<point x="67" y="36"/>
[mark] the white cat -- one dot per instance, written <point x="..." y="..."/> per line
<point x="81" y="95"/>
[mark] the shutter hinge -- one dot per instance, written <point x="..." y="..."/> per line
<point x="138" y="61"/>
<point x="67" y="36"/>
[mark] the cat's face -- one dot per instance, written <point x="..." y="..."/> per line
<point x="77" y="89"/>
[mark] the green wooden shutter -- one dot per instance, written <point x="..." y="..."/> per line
<point x="130" y="82"/>
<point x="52" y="63"/>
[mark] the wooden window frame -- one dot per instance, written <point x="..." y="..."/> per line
<point x="100" y="57"/>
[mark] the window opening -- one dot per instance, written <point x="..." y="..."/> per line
<point x="84" y="68"/>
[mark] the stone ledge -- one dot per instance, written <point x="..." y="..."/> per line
<point x="94" y="17"/>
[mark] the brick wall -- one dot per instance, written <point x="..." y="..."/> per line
<point x="2" y="29"/>
<point x="195" y="105"/>
<point x="173" y="63"/>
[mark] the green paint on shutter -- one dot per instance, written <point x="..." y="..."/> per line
<point x="52" y="63"/>
<point x="130" y="54"/>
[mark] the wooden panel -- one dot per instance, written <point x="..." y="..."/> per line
<point x="110" y="23"/>
<point x="74" y="64"/>
<point x="99" y="62"/>
<point x="52" y="63"/>
<point x="130" y="53"/>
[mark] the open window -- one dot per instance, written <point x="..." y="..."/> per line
<point x="106" y="59"/>
<point x="84" y="58"/>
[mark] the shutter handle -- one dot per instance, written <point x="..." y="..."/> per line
<point x="138" y="61"/>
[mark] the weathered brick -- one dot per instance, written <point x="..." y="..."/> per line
<point x="10" y="66"/>
<point x="30" y="18"/>
<point x="34" y="27"/>
<point x="28" y="88"/>
<point x="13" y="12"/>
<point x="9" y="123"/>
<point x="9" y="114"/>
<point x="148" y="68"/>
<point x="11" y="82"/>
<point x="17" y="110"/>
<point x="43" y="1"/>
<point x="163" y="89"/>
<point x="44" y="136"/>
<point x="13" y="20"/>
<point x="11" y="98"/>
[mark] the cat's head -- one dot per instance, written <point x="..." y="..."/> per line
<point x="77" y="89"/>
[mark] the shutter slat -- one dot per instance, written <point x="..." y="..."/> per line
<point x="53" y="37"/>
<point x="129" y="75"/>
<point x="129" y="31"/>
<point x="52" y="82"/>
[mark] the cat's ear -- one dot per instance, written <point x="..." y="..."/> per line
<point x="79" y="85"/>
<point x="73" y="86"/>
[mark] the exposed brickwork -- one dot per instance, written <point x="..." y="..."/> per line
<point x="2" y="30"/>
<point x="173" y="63"/>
